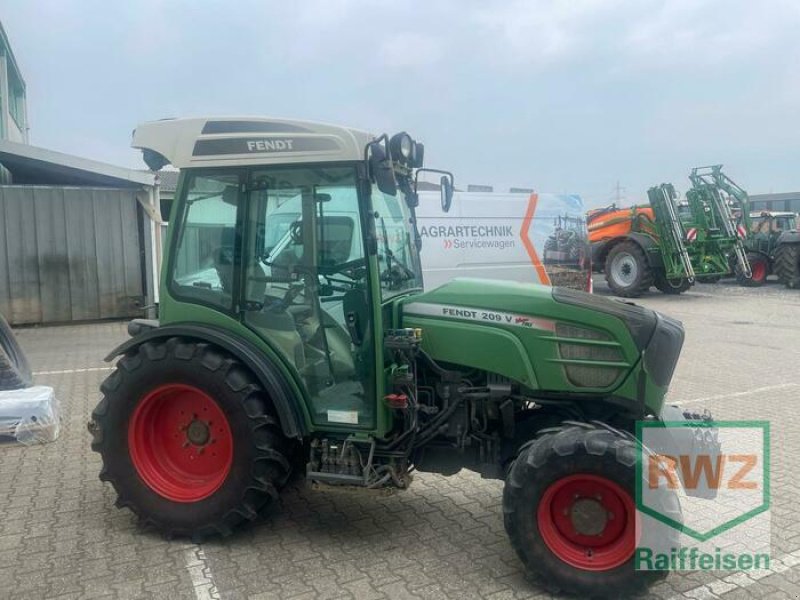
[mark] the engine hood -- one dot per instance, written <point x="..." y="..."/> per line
<point x="524" y="298"/>
<point x="555" y="340"/>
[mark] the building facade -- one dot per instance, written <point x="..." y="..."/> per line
<point x="13" y="105"/>
<point x="788" y="201"/>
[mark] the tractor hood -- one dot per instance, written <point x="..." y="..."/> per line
<point x="555" y="340"/>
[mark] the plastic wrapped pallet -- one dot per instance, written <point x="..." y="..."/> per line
<point x="29" y="415"/>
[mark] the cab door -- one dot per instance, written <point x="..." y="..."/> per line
<point x="305" y="286"/>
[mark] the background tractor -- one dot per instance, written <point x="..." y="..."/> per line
<point x="306" y="345"/>
<point x="567" y="242"/>
<point x="668" y="243"/>
<point x="765" y="231"/>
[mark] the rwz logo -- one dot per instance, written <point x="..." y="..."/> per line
<point x="702" y="469"/>
<point x="718" y="469"/>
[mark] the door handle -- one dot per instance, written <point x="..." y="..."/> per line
<point x="354" y="327"/>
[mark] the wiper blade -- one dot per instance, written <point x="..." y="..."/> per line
<point x="391" y="260"/>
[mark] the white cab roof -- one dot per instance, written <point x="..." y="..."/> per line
<point x="226" y="141"/>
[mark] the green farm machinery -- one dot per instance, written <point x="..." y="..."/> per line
<point x="295" y="338"/>
<point x="721" y="238"/>
<point x="767" y="235"/>
<point x="668" y="243"/>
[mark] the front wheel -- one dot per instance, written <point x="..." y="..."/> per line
<point x="570" y="514"/>
<point x="759" y="268"/>
<point x="189" y="439"/>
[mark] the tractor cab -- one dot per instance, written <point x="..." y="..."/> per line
<point x="273" y="226"/>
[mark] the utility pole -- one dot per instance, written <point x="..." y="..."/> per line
<point x="618" y="190"/>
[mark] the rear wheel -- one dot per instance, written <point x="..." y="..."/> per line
<point x="189" y="439"/>
<point x="627" y="271"/>
<point x="787" y="265"/>
<point x="570" y="515"/>
<point x="759" y="268"/>
<point x="672" y="286"/>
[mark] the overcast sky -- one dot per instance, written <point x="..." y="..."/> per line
<point x="570" y="95"/>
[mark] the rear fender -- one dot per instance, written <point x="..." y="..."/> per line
<point x="789" y="237"/>
<point x="267" y="374"/>
<point x="651" y="249"/>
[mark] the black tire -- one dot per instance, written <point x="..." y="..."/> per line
<point x="628" y="257"/>
<point x="672" y="286"/>
<point x="261" y="456"/>
<point x="759" y="269"/>
<point x="15" y="372"/>
<point x="567" y="451"/>
<point x="787" y="265"/>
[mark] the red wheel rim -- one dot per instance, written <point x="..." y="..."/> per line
<point x="759" y="269"/>
<point x="588" y="521"/>
<point x="180" y="443"/>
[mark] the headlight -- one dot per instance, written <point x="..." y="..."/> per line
<point x="402" y="147"/>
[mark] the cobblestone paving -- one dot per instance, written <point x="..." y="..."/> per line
<point x="61" y="537"/>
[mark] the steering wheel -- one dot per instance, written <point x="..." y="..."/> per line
<point x="397" y="274"/>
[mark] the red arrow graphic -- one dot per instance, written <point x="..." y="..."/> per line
<point x="526" y="240"/>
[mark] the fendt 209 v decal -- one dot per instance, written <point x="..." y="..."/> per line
<point x="467" y="313"/>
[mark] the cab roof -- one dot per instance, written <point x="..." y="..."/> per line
<point x="230" y="141"/>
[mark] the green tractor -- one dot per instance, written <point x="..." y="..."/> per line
<point x="294" y="337"/>
<point x="768" y="249"/>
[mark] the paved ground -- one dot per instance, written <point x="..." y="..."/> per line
<point x="61" y="537"/>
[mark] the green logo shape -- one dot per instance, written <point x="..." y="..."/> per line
<point x="730" y="524"/>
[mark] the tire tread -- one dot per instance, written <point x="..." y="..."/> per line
<point x="270" y="467"/>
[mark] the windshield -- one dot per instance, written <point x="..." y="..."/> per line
<point x="398" y="259"/>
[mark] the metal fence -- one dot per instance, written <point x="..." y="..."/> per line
<point x="69" y="254"/>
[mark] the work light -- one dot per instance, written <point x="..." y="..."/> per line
<point x="402" y="147"/>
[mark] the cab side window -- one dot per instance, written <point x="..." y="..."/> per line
<point x="203" y="266"/>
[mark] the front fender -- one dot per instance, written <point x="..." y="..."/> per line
<point x="646" y="242"/>
<point x="267" y="374"/>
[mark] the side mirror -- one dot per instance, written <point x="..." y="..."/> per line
<point x="446" y="187"/>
